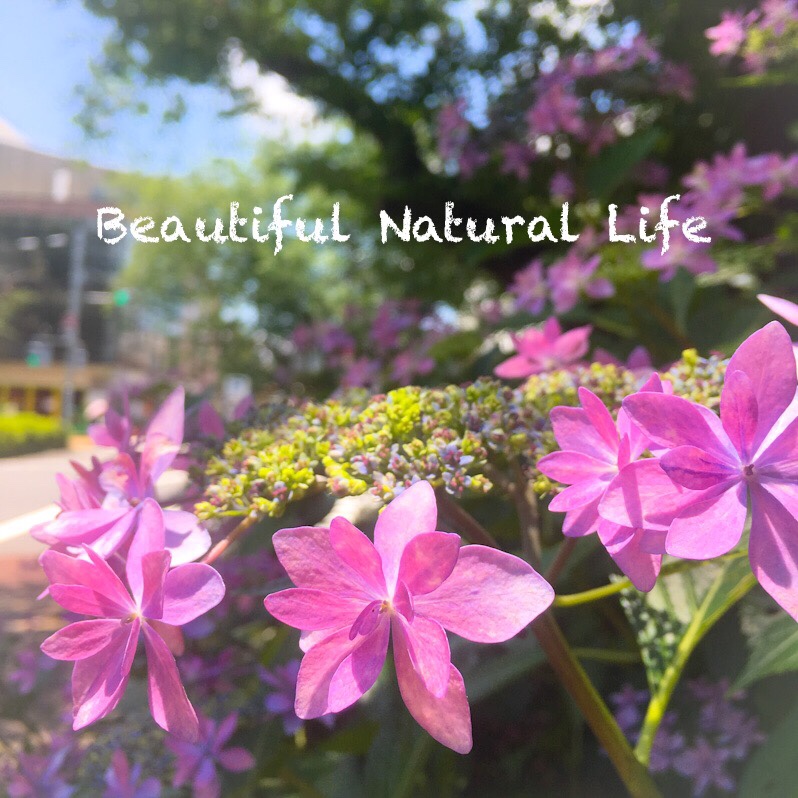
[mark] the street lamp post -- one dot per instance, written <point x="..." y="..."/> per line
<point x="77" y="273"/>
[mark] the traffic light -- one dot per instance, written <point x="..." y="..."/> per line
<point x="121" y="297"/>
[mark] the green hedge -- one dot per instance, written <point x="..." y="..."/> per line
<point x="23" y="433"/>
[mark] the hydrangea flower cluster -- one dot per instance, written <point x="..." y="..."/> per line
<point x="760" y="38"/>
<point x="120" y="558"/>
<point x="565" y="109"/>
<point x="458" y="437"/>
<point x="690" y="499"/>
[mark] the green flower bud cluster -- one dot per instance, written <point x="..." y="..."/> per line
<point x="466" y="439"/>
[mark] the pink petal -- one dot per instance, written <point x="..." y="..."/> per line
<point x="154" y="566"/>
<point x="236" y="759"/>
<point x="164" y="436"/>
<point x="337" y="671"/>
<point x="189" y="591"/>
<point x="225" y="730"/>
<point x="185" y="537"/>
<point x="99" y="681"/>
<point x="85" y="601"/>
<point x="427" y="560"/>
<point x="773" y="549"/>
<point x="575" y="432"/>
<point x="80" y="640"/>
<point x="781" y="307"/>
<point x="172" y="636"/>
<point x="516" y="367"/>
<point x="489" y="598"/>
<point x="582" y="520"/>
<point x="358" y="552"/>
<point x="767" y="359"/>
<point x="739" y="412"/>
<point x="710" y="527"/>
<point x="624" y="545"/>
<point x="600" y="418"/>
<point x="779" y="460"/>
<point x="644" y="496"/>
<point x="109" y="541"/>
<point x="310" y="560"/>
<point x="671" y="421"/>
<point x="210" y="422"/>
<point x="428" y="648"/>
<point x="312" y="610"/>
<point x="579" y="495"/>
<point x="447" y="719"/>
<point x="94" y="575"/>
<point x="412" y="513"/>
<point x="78" y="526"/>
<point x="148" y="537"/>
<point x="169" y="703"/>
<point x="572" y="467"/>
<point x="551" y="329"/>
<point x="573" y="344"/>
<point x="206" y="782"/>
<point x="696" y="469"/>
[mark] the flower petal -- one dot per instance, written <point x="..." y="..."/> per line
<point x="427" y="560"/>
<point x="312" y="610"/>
<point x="781" y="307"/>
<point x="337" y="671"/>
<point x="767" y="359"/>
<point x="169" y="703"/>
<point x="428" y="648"/>
<point x="189" y="591"/>
<point x="644" y="496"/>
<point x="710" y="527"/>
<point x="623" y="544"/>
<point x="582" y="493"/>
<point x="412" y="513"/>
<point x="696" y="469"/>
<point x="599" y="417"/>
<point x="310" y="560"/>
<point x="184" y="536"/>
<point x="517" y="367"/>
<point x="148" y="537"/>
<point x="739" y="412"/>
<point x="582" y="520"/>
<point x="671" y="421"/>
<point x="446" y="719"/>
<point x="85" y="601"/>
<point x="358" y="552"/>
<point x="164" y="436"/>
<point x="575" y="433"/>
<point x="571" y="467"/>
<point x="236" y="759"/>
<point x="94" y="574"/>
<point x="74" y="527"/>
<point x="99" y="681"/>
<point x="773" y="548"/>
<point x="80" y="640"/>
<point x="490" y="596"/>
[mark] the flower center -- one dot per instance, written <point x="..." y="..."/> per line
<point x="367" y="621"/>
<point x="748" y="471"/>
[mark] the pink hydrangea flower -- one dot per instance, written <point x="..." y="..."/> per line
<point x="197" y="761"/>
<point x="639" y="360"/>
<point x="156" y="603"/>
<point x="529" y="287"/>
<point x="544" y="350"/>
<point x="122" y="781"/>
<point x="126" y="484"/>
<point x="593" y="450"/>
<point x="572" y="276"/>
<point x="729" y="34"/>
<point x="718" y="466"/>
<point x="413" y="583"/>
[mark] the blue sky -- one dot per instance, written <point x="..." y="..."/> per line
<point x="45" y="50"/>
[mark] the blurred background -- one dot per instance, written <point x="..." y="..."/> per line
<point x="504" y="108"/>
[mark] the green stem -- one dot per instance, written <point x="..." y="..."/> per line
<point x="702" y="621"/>
<point x="571" y="674"/>
<point x="605" y="591"/>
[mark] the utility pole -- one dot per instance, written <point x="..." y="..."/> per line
<point x="77" y="275"/>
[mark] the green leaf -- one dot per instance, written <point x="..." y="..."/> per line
<point x="611" y="167"/>
<point x="774" y="650"/>
<point x="770" y="772"/>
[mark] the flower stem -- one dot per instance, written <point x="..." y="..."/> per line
<point x="463" y="521"/>
<point x="607" y="655"/>
<point x="702" y="621"/>
<point x="571" y="674"/>
<point x="231" y="538"/>
<point x="605" y="591"/>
